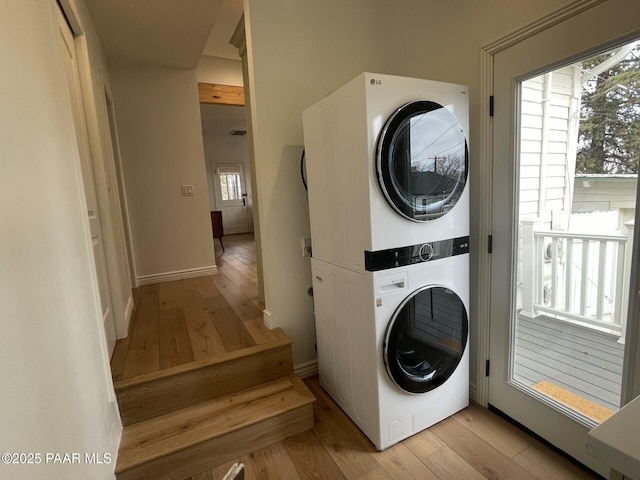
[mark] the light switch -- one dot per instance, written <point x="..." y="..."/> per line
<point x="187" y="190"/>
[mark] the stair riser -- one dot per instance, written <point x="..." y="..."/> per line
<point x="157" y="397"/>
<point x="214" y="452"/>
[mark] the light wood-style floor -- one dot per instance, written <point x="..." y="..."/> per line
<point x="474" y="444"/>
<point x="184" y="320"/>
<point x="181" y="321"/>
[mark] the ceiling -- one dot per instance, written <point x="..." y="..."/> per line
<point x="220" y="120"/>
<point x="174" y="33"/>
<point x="225" y="24"/>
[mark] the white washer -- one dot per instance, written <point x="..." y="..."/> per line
<point x="393" y="344"/>
<point x="386" y="161"/>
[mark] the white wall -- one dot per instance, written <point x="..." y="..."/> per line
<point x="299" y="52"/>
<point x="219" y="70"/>
<point x="55" y="375"/>
<point x="161" y="146"/>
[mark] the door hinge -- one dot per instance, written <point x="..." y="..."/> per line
<point x="486" y="368"/>
<point x="491" y="106"/>
<point x="490" y="244"/>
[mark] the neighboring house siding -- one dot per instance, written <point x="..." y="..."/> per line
<point x="604" y="195"/>
<point x="547" y="143"/>
<point x="594" y="193"/>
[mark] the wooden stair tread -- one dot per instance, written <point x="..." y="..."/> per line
<point x="161" y="436"/>
<point x="280" y="340"/>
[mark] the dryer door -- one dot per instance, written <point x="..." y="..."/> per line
<point x="422" y="160"/>
<point x="425" y="339"/>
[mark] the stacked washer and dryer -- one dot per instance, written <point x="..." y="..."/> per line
<point x="386" y="162"/>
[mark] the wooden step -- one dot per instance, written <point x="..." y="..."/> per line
<point x="150" y="395"/>
<point x="183" y="443"/>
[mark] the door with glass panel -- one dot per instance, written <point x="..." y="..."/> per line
<point x="231" y="197"/>
<point x="566" y="146"/>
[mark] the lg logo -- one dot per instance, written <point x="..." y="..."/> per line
<point x="376" y="82"/>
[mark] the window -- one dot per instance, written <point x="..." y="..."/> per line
<point x="230" y="182"/>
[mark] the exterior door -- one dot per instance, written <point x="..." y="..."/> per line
<point x="93" y="213"/>
<point x="231" y="196"/>
<point x="547" y="411"/>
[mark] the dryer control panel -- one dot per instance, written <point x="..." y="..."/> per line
<point x="423" y="252"/>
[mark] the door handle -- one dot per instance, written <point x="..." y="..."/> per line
<point x="244" y="202"/>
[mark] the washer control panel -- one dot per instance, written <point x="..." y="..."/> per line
<point x="423" y="252"/>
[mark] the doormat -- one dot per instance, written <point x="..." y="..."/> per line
<point x="589" y="409"/>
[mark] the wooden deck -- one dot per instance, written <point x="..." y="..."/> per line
<point x="581" y="360"/>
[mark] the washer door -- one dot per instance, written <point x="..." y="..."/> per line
<point x="425" y="339"/>
<point x="422" y="160"/>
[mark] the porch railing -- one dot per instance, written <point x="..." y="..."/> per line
<point x="575" y="276"/>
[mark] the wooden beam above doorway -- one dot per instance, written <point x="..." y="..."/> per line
<point x="213" y="93"/>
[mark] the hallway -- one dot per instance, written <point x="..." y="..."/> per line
<point x="182" y="321"/>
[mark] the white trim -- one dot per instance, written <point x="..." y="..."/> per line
<point x="485" y="169"/>
<point x="307" y="369"/>
<point x="177" y="275"/>
<point x="631" y="365"/>
<point x="540" y="25"/>
<point x="485" y="174"/>
<point x="266" y="318"/>
<point x="128" y="316"/>
<point x="473" y="392"/>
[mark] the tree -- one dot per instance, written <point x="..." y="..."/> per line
<point x="609" y="134"/>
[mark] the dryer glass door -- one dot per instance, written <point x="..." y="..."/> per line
<point x="422" y="160"/>
<point x="425" y="339"/>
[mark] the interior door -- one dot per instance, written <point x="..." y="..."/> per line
<point x="231" y="196"/>
<point x="592" y="31"/>
<point x="93" y="213"/>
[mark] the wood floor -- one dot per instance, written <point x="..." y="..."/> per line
<point x="187" y="320"/>
<point x="473" y="444"/>
<point x="178" y="322"/>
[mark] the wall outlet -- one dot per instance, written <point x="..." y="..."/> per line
<point x="306" y="247"/>
<point x="187" y="190"/>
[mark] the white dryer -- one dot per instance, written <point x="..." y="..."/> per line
<point x="387" y="162"/>
<point x="393" y="344"/>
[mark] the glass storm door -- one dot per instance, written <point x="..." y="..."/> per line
<point x="560" y="263"/>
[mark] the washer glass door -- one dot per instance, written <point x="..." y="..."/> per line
<point x="422" y="160"/>
<point x="425" y="339"/>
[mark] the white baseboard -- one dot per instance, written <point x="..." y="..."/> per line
<point x="266" y="318"/>
<point x="177" y="275"/>
<point x="473" y="394"/>
<point x="307" y="369"/>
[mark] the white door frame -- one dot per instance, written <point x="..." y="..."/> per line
<point x="83" y="155"/>
<point x="485" y="172"/>
<point x="508" y="63"/>
<point x="631" y="376"/>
